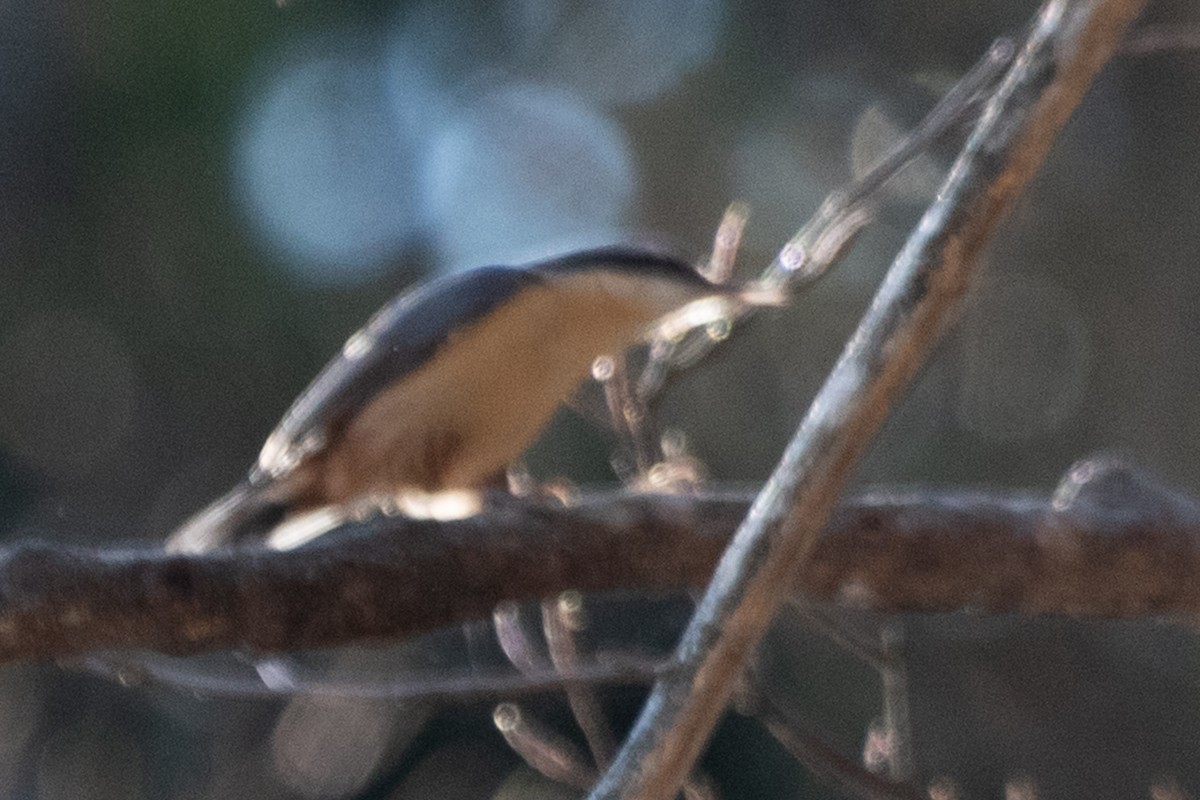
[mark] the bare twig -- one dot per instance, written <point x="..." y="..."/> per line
<point x="830" y="766"/>
<point x="726" y="241"/>
<point x="516" y="643"/>
<point x="825" y="238"/>
<point x="864" y="646"/>
<point x="817" y="245"/>
<point x="894" y="676"/>
<point x="543" y="748"/>
<point x="628" y="413"/>
<point x="889" y="741"/>
<point x="561" y="619"/>
<point x="923" y="289"/>
<point x="142" y="668"/>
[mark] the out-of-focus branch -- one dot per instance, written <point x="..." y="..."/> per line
<point x="1109" y="544"/>
<point x="838" y="772"/>
<point x="1152" y="39"/>
<point x="1067" y="44"/>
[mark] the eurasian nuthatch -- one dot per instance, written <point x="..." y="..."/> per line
<point x="449" y="383"/>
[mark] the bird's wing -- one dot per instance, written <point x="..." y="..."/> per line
<point x="398" y="340"/>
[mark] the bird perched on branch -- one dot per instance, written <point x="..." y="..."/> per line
<point x="449" y="383"/>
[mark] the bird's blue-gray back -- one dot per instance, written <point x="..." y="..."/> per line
<point x="401" y="337"/>
<point x="620" y="257"/>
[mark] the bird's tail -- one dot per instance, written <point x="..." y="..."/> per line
<point x="246" y="511"/>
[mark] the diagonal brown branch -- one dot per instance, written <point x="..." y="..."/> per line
<point x="924" y="287"/>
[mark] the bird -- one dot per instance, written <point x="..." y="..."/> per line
<point x="447" y="385"/>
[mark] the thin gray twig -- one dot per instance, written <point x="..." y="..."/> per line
<point x="542" y="747"/>
<point x="830" y="766"/>
<point x="825" y="238"/>
<point x="894" y="677"/>
<point x="559" y="616"/>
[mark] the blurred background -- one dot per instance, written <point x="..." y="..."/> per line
<point x="199" y="202"/>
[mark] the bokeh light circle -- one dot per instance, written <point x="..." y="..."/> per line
<point x="616" y="52"/>
<point x="524" y="171"/>
<point x="326" y="747"/>
<point x="324" y="170"/>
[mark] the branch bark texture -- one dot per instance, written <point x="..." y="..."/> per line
<point x="1109" y="544"/>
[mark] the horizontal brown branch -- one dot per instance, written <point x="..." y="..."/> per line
<point x="1114" y="545"/>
